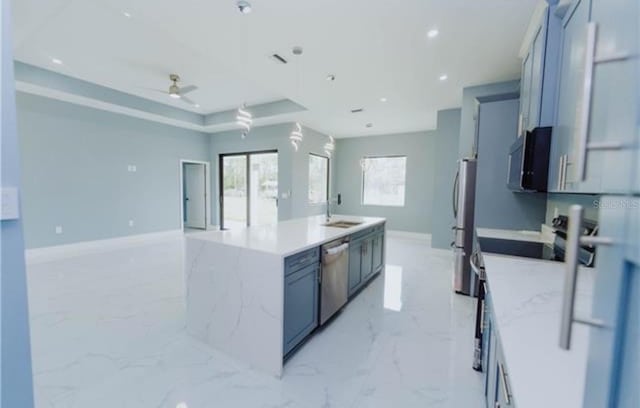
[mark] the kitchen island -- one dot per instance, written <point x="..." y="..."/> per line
<point x="238" y="283"/>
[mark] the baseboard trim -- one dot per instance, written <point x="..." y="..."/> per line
<point x="57" y="252"/>
<point x="417" y="236"/>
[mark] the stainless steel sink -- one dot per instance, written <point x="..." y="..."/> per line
<point x="341" y="224"/>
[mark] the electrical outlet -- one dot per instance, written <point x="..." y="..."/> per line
<point x="131" y="168"/>
<point x="58" y="229"/>
<point x="131" y="223"/>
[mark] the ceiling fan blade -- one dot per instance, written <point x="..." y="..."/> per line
<point x="187" y="100"/>
<point x="164" y="91"/>
<point x="187" y="89"/>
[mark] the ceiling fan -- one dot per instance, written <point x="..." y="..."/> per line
<point x="178" y="92"/>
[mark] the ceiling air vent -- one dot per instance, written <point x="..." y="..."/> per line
<point x="359" y="110"/>
<point x="278" y="58"/>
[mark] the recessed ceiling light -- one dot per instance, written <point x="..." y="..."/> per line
<point x="383" y="99"/>
<point x="443" y="77"/>
<point x="244" y="6"/>
<point x="126" y="14"/>
<point x="197" y="105"/>
<point x="433" y="33"/>
<point x="56" y="61"/>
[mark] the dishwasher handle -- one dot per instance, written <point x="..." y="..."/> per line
<point x="337" y="249"/>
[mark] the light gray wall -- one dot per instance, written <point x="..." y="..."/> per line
<point x="446" y="155"/>
<point x="16" y="379"/>
<point x="419" y="148"/>
<point x="293" y="167"/>
<point x="74" y="172"/>
<point x="496" y="205"/>
<point x="469" y="100"/>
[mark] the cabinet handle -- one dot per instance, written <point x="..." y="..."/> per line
<point x="571" y="264"/>
<point x="505" y="386"/>
<point x="559" y="183"/>
<point x="574" y="240"/>
<point x="564" y="162"/>
<point x="587" y="94"/>
<point x="520" y="124"/>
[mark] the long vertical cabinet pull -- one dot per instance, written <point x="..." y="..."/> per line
<point x="574" y="240"/>
<point x="587" y="93"/>
<point x="571" y="263"/>
<point x="505" y="385"/>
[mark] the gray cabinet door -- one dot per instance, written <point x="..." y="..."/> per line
<point x="492" y="371"/>
<point x="367" y="259"/>
<point x="525" y="93"/>
<point x="355" y="261"/>
<point x="570" y="89"/>
<point x="378" y="252"/>
<point x="537" y="74"/>
<point x="614" y="107"/>
<point x="300" y="305"/>
<point x="613" y="365"/>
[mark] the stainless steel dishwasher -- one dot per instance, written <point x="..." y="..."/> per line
<point x="334" y="280"/>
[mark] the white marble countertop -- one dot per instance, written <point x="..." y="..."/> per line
<point x="516" y="235"/>
<point x="527" y="298"/>
<point x="287" y="237"/>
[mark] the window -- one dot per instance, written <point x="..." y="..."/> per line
<point x="383" y="180"/>
<point x="318" y="179"/>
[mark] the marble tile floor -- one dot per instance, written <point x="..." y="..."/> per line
<point x="108" y="331"/>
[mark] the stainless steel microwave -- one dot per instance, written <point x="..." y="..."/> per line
<point x="528" y="167"/>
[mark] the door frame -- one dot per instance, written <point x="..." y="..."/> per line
<point x="247" y="154"/>
<point x="207" y="190"/>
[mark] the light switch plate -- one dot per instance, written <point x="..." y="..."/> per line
<point x="9" y="202"/>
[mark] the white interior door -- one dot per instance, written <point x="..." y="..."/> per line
<point x="195" y="208"/>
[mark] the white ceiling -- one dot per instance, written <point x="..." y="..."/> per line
<point x="375" y="48"/>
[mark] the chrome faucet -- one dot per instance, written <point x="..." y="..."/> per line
<point x="331" y="200"/>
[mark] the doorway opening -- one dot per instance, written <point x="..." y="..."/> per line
<point x="194" y="192"/>
<point x="248" y="189"/>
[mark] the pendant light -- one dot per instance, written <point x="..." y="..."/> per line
<point x="330" y="146"/>
<point x="244" y="119"/>
<point x="296" y="136"/>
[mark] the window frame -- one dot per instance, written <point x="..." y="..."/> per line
<point x="362" y="181"/>
<point x="328" y="175"/>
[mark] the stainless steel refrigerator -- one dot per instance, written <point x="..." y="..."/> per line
<point x="464" y="195"/>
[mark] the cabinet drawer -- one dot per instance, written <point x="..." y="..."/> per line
<point x="365" y="233"/>
<point x="362" y="234"/>
<point x="295" y="262"/>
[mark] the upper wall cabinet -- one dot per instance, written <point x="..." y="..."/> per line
<point x="596" y="137"/>
<point x="539" y="76"/>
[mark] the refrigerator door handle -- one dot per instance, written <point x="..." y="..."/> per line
<point x="454" y="198"/>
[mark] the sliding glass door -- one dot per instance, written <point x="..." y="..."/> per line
<point x="249" y="189"/>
